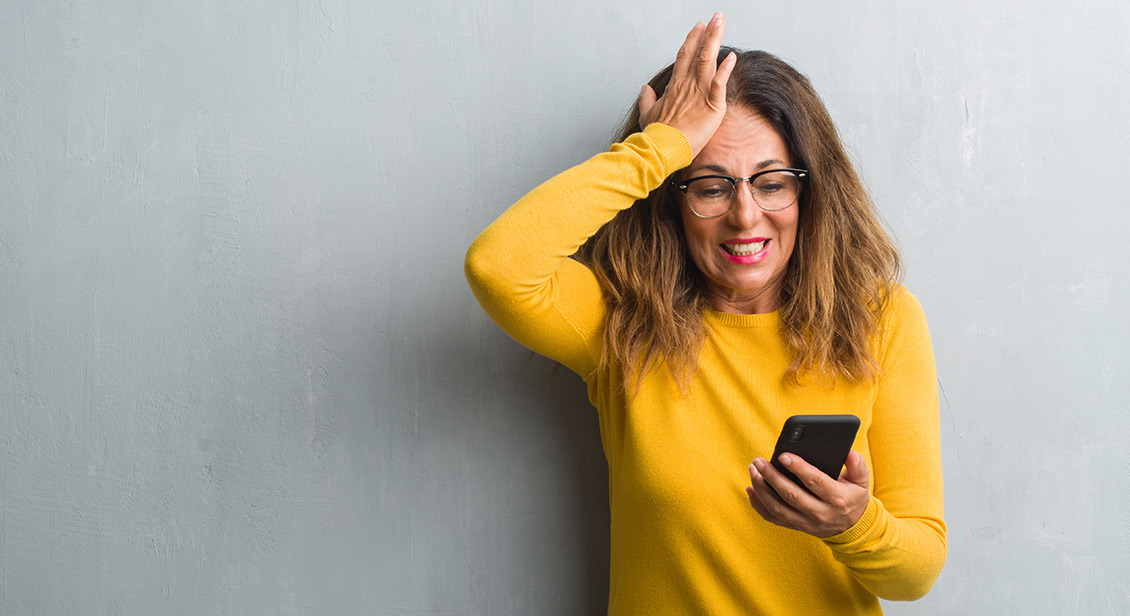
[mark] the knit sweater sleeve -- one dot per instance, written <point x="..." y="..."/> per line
<point x="897" y="548"/>
<point x="520" y="269"/>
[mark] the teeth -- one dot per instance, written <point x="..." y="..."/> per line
<point x="743" y="250"/>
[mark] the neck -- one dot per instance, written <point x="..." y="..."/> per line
<point x="762" y="301"/>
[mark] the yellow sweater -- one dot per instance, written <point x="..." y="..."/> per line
<point x="685" y="539"/>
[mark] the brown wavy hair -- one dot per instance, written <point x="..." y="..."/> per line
<point x="836" y="284"/>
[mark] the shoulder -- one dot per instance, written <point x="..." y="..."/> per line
<point x="902" y="319"/>
<point x="901" y="303"/>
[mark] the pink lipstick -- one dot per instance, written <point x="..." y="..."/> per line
<point x="740" y="252"/>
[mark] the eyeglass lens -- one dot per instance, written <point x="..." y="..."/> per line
<point x="710" y="197"/>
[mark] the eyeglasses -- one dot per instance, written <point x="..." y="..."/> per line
<point x="710" y="196"/>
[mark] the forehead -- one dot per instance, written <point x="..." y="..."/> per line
<point x="744" y="144"/>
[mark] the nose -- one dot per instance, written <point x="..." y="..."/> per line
<point x="744" y="213"/>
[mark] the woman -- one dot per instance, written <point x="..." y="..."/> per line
<point x="709" y="276"/>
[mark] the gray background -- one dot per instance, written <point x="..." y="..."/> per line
<point x="243" y="374"/>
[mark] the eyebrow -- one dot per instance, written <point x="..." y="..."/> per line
<point x="717" y="169"/>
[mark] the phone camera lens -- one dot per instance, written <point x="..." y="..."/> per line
<point x="796" y="433"/>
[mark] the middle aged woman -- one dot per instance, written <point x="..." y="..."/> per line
<point x="709" y="276"/>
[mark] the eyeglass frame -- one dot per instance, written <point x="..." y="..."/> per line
<point x="801" y="175"/>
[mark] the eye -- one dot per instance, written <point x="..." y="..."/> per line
<point x="711" y="189"/>
<point x="710" y="192"/>
<point x="774" y="183"/>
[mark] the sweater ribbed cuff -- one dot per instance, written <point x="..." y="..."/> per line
<point x="672" y="145"/>
<point x="861" y="526"/>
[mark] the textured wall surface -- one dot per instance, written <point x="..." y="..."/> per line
<point x="242" y="373"/>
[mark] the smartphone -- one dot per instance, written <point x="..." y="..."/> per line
<point x="824" y="441"/>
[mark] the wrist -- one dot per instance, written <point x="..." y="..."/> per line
<point x="861" y="526"/>
<point x="671" y="143"/>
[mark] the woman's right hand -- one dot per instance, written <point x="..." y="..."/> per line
<point x="695" y="99"/>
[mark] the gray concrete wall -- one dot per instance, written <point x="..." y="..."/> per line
<point x="242" y="373"/>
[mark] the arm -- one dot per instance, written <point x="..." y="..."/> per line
<point x="893" y="541"/>
<point x="520" y="268"/>
<point x="897" y="548"/>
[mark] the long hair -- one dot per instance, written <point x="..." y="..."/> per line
<point x="836" y="284"/>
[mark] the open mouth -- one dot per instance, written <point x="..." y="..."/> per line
<point x="745" y="250"/>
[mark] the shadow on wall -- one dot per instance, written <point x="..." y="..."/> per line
<point x="565" y="453"/>
<point x="563" y="399"/>
<point x="533" y="474"/>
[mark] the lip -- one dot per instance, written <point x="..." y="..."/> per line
<point x="756" y="257"/>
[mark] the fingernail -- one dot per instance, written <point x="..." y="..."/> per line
<point x="786" y="459"/>
<point x="758" y="463"/>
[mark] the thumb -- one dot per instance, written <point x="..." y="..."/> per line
<point x="855" y="470"/>
<point x="647" y="101"/>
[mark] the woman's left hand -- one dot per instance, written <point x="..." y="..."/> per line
<point x="833" y="507"/>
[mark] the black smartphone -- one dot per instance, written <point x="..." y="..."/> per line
<point x="824" y="441"/>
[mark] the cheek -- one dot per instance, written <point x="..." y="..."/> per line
<point x="700" y="240"/>
<point x="696" y="231"/>
<point x="697" y="238"/>
<point x="787" y="227"/>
